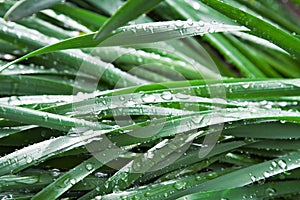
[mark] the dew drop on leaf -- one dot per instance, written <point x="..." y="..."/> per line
<point x="29" y="159"/>
<point x="148" y="98"/>
<point x="73" y="181"/>
<point x="190" y="22"/>
<point x="282" y="164"/>
<point x="274" y="164"/>
<point x="89" y="166"/>
<point x="167" y="95"/>
<point x="267" y="174"/>
<point x="246" y="85"/>
<point x="55" y="172"/>
<point x="270" y="191"/>
<point x="253" y="178"/>
<point x="179" y="185"/>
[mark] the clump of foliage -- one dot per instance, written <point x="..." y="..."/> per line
<point x="139" y="99"/>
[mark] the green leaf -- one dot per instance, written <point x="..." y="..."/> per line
<point x="134" y="34"/>
<point x="129" y="11"/>
<point x="25" y="8"/>
<point x="258" y="26"/>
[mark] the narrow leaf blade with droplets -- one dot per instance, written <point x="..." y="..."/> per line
<point x="135" y="34"/>
<point x="129" y="11"/>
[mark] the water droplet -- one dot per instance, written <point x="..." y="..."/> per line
<point x="122" y="98"/>
<point x="167" y="95"/>
<point x="179" y="185"/>
<point x="282" y="164"/>
<point x="211" y="175"/>
<point x="182" y="96"/>
<point x="179" y="23"/>
<point x="147" y="194"/>
<point x="135" y="197"/>
<point x="148" y="98"/>
<point x="89" y="166"/>
<point x="267" y="174"/>
<point x="136" y="166"/>
<point x="29" y="159"/>
<point x="190" y="22"/>
<point x="246" y="85"/>
<point x="195" y="5"/>
<point x="198" y="178"/>
<point x="270" y="191"/>
<point x="140" y="60"/>
<point x="253" y="178"/>
<point x="73" y="181"/>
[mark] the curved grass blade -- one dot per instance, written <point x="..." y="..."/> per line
<point x="129" y="11"/>
<point x="134" y="34"/>
<point x="258" y="26"/>
<point x="36" y="99"/>
<point x="192" y="157"/>
<point x="261" y="191"/>
<point x="164" y="189"/>
<point x="45" y="119"/>
<point x="5" y="132"/>
<point x="198" y="185"/>
<point x="78" y="173"/>
<point x="26" y="85"/>
<point x="25" y="8"/>
<point x="89" y="19"/>
<point x="247" y="175"/>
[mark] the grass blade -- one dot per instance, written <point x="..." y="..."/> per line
<point x="129" y="11"/>
<point x="259" y="27"/>
<point x="134" y="34"/>
<point x="25" y="8"/>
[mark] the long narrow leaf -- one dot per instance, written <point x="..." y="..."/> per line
<point x="26" y="8"/>
<point x="129" y="11"/>
<point x="134" y="34"/>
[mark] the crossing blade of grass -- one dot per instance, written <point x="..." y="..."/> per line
<point x="129" y="11"/>
<point x="133" y="34"/>
<point x="39" y="152"/>
<point x="26" y="85"/>
<point x="133" y="170"/>
<point x="257" y="91"/>
<point x="65" y="143"/>
<point x="89" y="19"/>
<point x="5" y="132"/>
<point x="36" y="99"/>
<point x="192" y="157"/>
<point x="211" y="181"/>
<point x="164" y="189"/>
<point x="25" y="8"/>
<point x="272" y="15"/>
<point x="74" y="58"/>
<point x="259" y="27"/>
<point x="267" y="190"/>
<point x="248" y="175"/>
<point x="78" y="173"/>
<point x="35" y="180"/>
<point x="272" y="130"/>
<point x="45" y="119"/>
<point x="260" y="41"/>
<point x="230" y="52"/>
<point x="276" y="144"/>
